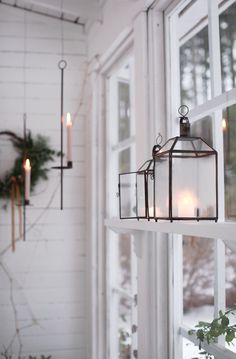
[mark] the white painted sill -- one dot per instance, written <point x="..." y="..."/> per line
<point x="209" y="229"/>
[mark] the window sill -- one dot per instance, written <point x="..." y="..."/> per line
<point x="215" y="349"/>
<point x="223" y="230"/>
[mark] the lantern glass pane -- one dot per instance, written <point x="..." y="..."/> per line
<point x="192" y="145"/>
<point x="194" y="187"/>
<point x="150" y="183"/>
<point x="141" y="208"/>
<point x="167" y="146"/>
<point x="161" y="194"/>
<point x="128" y="195"/>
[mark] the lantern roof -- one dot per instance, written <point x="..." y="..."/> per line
<point x="185" y="147"/>
<point x="146" y="166"/>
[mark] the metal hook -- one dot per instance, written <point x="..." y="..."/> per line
<point x="183" y="110"/>
<point x="159" y="139"/>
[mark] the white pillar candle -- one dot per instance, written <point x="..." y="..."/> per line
<point x="69" y="137"/>
<point x="27" y="169"/>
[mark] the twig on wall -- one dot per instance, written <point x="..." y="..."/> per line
<point x="11" y="279"/>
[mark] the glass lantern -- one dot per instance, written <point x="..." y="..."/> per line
<point x="186" y="170"/>
<point x="136" y="197"/>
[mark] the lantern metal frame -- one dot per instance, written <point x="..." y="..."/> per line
<point x="194" y="153"/>
<point x="146" y="171"/>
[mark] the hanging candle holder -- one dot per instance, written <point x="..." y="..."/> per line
<point x="62" y="66"/>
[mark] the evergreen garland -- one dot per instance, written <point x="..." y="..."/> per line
<point x="39" y="153"/>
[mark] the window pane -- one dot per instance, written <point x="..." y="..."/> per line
<point x="229" y="128"/>
<point x="195" y="70"/>
<point x="124" y="109"/>
<point x="230" y="278"/>
<point x="122" y="276"/>
<point x="125" y="328"/>
<point x="203" y="128"/>
<point x="124" y="161"/>
<point x="230" y="275"/>
<point x="228" y="47"/>
<point x="198" y="277"/>
<point x="124" y="257"/>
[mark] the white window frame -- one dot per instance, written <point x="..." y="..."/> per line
<point x="113" y="148"/>
<point x="214" y="108"/>
<point x="157" y="336"/>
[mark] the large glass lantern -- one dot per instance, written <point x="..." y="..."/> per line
<point x="136" y="196"/>
<point x="185" y="172"/>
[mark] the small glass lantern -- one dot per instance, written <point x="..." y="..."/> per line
<point x="186" y="170"/>
<point x="136" y="197"/>
<point x="136" y="193"/>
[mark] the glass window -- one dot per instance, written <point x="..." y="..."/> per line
<point x="198" y="279"/>
<point x="195" y="70"/>
<point x="121" y="259"/>
<point x="227" y="21"/>
<point x="124" y="109"/>
<point x="229" y="133"/>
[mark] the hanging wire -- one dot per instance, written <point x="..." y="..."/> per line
<point x="24" y="114"/>
<point x="24" y="65"/>
<point x="62" y="30"/>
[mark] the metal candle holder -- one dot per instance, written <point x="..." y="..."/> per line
<point x="62" y="65"/>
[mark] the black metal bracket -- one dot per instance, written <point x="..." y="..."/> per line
<point x="62" y="66"/>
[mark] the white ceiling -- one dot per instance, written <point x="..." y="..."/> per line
<point x="77" y="11"/>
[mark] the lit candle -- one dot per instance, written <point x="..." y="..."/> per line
<point x="69" y="137"/>
<point x="224" y="124"/>
<point x="187" y="204"/>
<point x="27" y="169"/>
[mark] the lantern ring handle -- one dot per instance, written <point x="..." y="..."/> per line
<point x="183" y="110"/>
<point x="62" y="64"/>
<point x="159" y="139"/>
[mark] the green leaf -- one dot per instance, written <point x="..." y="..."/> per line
<point x="224" y="321"/>
<point x="200" y="335"/>
<point x="230" y="335"/>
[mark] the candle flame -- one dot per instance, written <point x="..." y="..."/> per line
<point x="224" y="124"/>
<point x="68" y="120"/>
<point x="27" y="164"/>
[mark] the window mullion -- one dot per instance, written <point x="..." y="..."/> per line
<point x="216" y="85"/>
<point x="214" y="47"/>
<point x="219" y="285"/>
<point x="176" y="294"/>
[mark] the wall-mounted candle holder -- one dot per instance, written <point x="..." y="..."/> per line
<point x="62" y="65"/>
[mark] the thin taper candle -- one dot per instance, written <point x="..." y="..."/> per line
<point x="69" y="137"/>
<point x="27" y="169"/>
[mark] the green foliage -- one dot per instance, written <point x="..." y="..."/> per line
<point x="208" y="332"/>
<point x="38" y="151"/>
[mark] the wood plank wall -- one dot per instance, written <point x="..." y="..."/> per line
<point x="47" y="272"/>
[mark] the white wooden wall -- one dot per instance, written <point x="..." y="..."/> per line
<point x="45" y="279"/>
